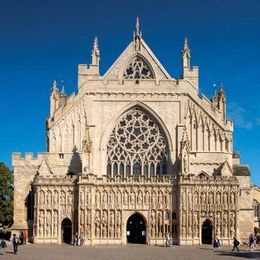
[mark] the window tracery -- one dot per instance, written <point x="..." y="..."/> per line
<point x="137" y="146"/>
<point x="138" y="69"/>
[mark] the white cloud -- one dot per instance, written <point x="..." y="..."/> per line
<point x="240" y="116"/>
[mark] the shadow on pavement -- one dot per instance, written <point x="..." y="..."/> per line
<point x="243" y="254"/>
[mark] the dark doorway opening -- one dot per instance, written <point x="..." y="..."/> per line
<point x="136" y="229"/>
<point x="206" y="232"/>
<point x="66" y="231"/>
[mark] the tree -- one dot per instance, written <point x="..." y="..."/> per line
<point x="6" y="194"/>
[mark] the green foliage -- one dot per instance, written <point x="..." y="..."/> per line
<point x="6" y="194"/>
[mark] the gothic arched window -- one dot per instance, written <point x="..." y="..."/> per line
<point x="137" y="146"/>
<point x="138" y="69"/>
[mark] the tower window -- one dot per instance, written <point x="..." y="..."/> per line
<point x="138" y="69"/>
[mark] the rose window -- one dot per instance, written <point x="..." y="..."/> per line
<point x="138" y="69"/>
<point x="137" y="146"/>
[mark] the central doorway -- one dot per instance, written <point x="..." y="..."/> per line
<point x="136" y="229"/>
<point x="206" y="232"/>
<point x="66" y="231"/>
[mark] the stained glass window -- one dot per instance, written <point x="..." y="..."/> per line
<point x="137" y="146"/>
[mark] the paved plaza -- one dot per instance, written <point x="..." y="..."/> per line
<point x="131" y="252"/>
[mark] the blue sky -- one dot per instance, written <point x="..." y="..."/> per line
<point x="46" y="40"/>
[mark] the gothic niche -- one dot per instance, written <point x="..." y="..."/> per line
<point x="137" y="146"/>
<point x="138" y="69"/>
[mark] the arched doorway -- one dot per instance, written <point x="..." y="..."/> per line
<point x="136" y="229"/>
<point x="206" y="232"/>
<point x="66" y="231"/>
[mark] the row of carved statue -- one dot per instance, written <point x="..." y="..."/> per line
<point x="49" y="197"/>
<point x="159" y="223"/>
<point x="107" y="198"/>
<point x="190" y="197"/>
<point x="224" y="223"/>
<point x="108" y="224"/>
<point x="48" y="223"/>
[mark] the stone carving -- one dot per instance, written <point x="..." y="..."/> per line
<point x="55" y="223"/>
<point x="41" y="223"/>
<point x="55" y="197"/>
<point x="87" y="142"/>
<point x="63" y="197"/>
<point x="48" y="198"/>
<point x="139" y="197"/>
<point x="48" y="224"/>
<point x="97" y="224"/>
<point x="126" y="201"/>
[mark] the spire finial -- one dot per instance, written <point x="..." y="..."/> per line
<point x="62" y="88"/>
<point x="54" y="86"/>
<point x="137" y="36"/>
<point x="186" y="54"/>
<point x="186" y="47"/>
<point x="221" y="89"/>
<point x="137" y="26"/>
<point x="95" y="52"/>
<point x="95" y="44"/>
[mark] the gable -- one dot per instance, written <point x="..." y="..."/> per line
<point x="224" y="170"/>
<point x="128" y="56"/>
<point x="45" y="168"/>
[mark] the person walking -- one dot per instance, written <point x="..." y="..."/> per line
<point x="168" y="241"/>
<point x="76" y="240"/>
<point x="21" y="237"/>
<point x="15" y="242"/>
<point x="3" y="246"/>
<point x="25" y="234"/>
<point x="216" y="243"/>
<point x="235" y="244"/>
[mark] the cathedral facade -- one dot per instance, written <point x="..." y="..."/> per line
<point x="133" y="156"/>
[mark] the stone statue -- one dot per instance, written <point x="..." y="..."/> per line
<point x="139" y="197"/>
<point x="41" y="223"/>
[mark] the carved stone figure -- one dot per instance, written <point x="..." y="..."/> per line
<point x="132" y="197"/>
<point x="97" y="224"/>
<point x="48" y="224"/>
<point x="55" y="197"/>
<point x="118" y="218"/>
<point x="218" y="198"/>
<point x="63" y="197"/>
<point x="41" y="223"/>
<point x="139" y="198"/>
<point x="55" y="223"/>
<point x="126" y="197"/>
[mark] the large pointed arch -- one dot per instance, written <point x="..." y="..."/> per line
<point x="137" y="141"/>
<point x="122" y="111"/>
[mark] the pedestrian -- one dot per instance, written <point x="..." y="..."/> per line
<point x="25" y="234"/>
<point x="76" y="240"/>
<point x="216" y="243"/>
<point x="81" y="239"/>
<point x="21" y="237"/>
<point x="15" y="242"/>
<point x="235" y="244"/>
<point x="3" y="246"/>
<point x="168" y="240"/>
<point x="251" y="242"/>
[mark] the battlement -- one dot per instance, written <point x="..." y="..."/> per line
<point x="39" y="157"/>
